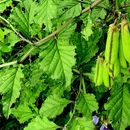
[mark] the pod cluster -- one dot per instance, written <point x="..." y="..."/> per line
<point x="116" y="55"/>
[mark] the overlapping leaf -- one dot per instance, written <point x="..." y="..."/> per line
<point x="10" y="88"/>
<point x="86" y="49"/>
<point x="87" y="104"/>
<point x="24" y="19"/>
<point x="4" y="4"/>
<point x="53" y="106"/>
<point x="57" y="60"/>
<point x="33" y="86"/>
<point x="72" y="11"/>
<point x="23" y="113"/>
<point x="46" y="11"/>
<point x="87" y="31"/>
<point x="41" y="124"/>
<point x="81" y="124"/>
<point x="7" y="44"/>
<point x="98" y="13"/>
<point x="118" y="107"/>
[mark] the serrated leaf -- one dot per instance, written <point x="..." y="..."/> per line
<point x="57" y="60"/>
<point x="73" y="11"/>
<point x="46" y="11"/>
<point x="86" y="49"/>
<point x="53" y="106"/>
<point x="41" y="124"/>
<point x="87" y="31"/>
<point x="86" y="104"/>
<point x="57" y="90"/>
<point x="10" y="88"/>
<point x="8" y="40"/>
<point x="67" y="33"/>
<point x="33" y="86"/>
<point x="23" y="113"/>
<point x="81" y="124"/>
<point x="118" y="107"/>
<point x="98" y="13"/>
<point x="24" y="19"/>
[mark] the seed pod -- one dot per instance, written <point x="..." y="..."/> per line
<point x="125" y="34"/>
<point x="122" y="59"/>
<point x="99" y="72"/>
<point x="116" y="68"/>
<point x="106" y="77"/>
<point x="112" y="44"/>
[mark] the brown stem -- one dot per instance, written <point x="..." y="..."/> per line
<point x="125" y="6"/>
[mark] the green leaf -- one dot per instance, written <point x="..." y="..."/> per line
<point x="57" y="89"/>
<point x="12" y="39"/>
<point x="81" y="124"/>
<point x="10" y="87"/>
<point x="87" y="104"/>
<point x="33" y="85"/>
<point x="8" y="40"/>
<point x="118" y="107"/>
<point x="23" y="113"/>
<point x="24" y="19"/>
<point x="86" y="49"/>
<point x="41" y="124"/>
<point x="73" y="11"/>
<point x="46" y="11"/>
<point x="1" y="35"/>
<point x="67" y="33"/>
<point x="57" y="60"/>
<point x="53" y="106"/>
<point x="4" y="4"/>
<point x="87" y="31"/>
<point x="98" y="13"/>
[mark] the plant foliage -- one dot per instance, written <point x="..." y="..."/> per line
<point x="48" y="52"/>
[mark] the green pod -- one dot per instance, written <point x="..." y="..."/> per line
<point x="111" y="70"/>
<point x="116" y="68"/>
<point x="108" y="42"/>
<point x="106" y="77"/>
<point x="112" y="44"/>
<point x="125" y="34"/>
<point x="122" y="59"/>
<point x="111" y="83"/>
<point x="98" y="72"/>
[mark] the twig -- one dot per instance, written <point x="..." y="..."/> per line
<point x="92" y="6"/>
<point x="8" y="64"/>
<point x="52" y="35"/>
<point x="17" y="33"/>
<point x="125" y="6"/>
<point x="74" y="109"/>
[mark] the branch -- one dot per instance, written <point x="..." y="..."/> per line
<point x="51" y="36"/>
<point x="91" y="6"/>
<point x="8" y="64"/>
